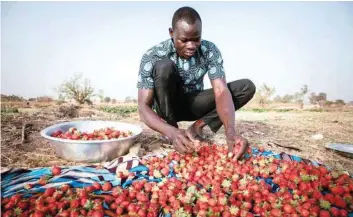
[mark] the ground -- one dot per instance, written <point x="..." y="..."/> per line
<point x="288" y="131"/>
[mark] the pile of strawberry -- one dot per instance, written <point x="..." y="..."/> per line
<point x="206" y="183"/>
<point x="226" y="187"/>
<point x="98" y="134"/>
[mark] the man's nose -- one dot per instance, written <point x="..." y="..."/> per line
<point x="191" y="45"/>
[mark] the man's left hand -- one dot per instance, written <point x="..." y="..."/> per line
<point x="234" y="140"/>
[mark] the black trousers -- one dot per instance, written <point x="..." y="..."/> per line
<point x="172" y="105"/>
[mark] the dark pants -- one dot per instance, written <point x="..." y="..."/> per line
<point x="172" y="105"/>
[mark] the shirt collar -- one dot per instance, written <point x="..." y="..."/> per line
<point x="172" y="45"/>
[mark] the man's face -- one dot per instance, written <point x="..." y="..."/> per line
<point x="187" y="38"/>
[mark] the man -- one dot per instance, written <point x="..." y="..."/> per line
<point x="171" y="80"/>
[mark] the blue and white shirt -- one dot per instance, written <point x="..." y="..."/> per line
<point x="207" y="60"/>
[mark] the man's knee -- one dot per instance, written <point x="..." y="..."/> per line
<point x="250" y="87"/>
<point x="244" y="85"/>
<point x="164" y="69"/>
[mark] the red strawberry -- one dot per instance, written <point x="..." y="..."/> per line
<point x="23" y="205"/>
<point x="56" y="170"/>
<point x="337" y="190"/>
<point x="98" y="213"/>
<point x="75" y="203"/>
<point x="343" y="212"/>
<point x="339" y="202"/>
<point x="324" y="213"/>
<point x="107" y="186"/>
<point x="49" y="192"/>
<point x="43" y="180"/>
<point x="97" y="186"/>
<point x="335" y="212"/>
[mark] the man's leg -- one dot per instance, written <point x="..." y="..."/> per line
<point x="202" y="106"/>
<point x="168" y="89"/>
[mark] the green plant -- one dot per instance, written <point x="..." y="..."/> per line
<point x="121" y="110"/>
<point x="9" y="110"/>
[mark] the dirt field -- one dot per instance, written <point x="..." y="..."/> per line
<point x="292" y="130"/>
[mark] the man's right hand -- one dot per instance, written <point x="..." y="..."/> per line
<point x="182" y="141"/>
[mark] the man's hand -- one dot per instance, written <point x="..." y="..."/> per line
<point x="182" y="141"/>
<point x="235" y="140"/>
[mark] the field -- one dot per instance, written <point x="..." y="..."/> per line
<point x="288" y="130"/>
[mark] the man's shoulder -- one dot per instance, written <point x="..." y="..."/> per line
<point x="207" y="46"/>
<point x="160" y="49"/>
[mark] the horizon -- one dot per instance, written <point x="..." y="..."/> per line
<point x="282" y="44"/>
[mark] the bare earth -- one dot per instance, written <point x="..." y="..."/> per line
<point x="268" y="129"/>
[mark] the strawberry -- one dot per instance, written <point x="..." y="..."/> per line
<point x="337" y="190"/>
<point x="97" y="186"/>
<point x="339" y="202"/>
<point x="8" y="213"/>
<point x="56" y="170"/>
<point x="43" y="180"/>
<point x="324" y="213"/>
<point x="49" y="192"/>
<point x="335" y="212"/>
<point x="343" y="212"/>
<point x="75" y="203"/>
<point x="107" y="186"/>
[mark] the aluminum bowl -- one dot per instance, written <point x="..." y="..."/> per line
<point x="91" y="150"/>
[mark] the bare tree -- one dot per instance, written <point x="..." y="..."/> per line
<point x="100" y="95"/>
<point x="264" y="94"/>
<point x="76" y="88"/>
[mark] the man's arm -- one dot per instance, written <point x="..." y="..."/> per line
<point x="148" y="116"/>
<point x="224" y="104"/>
<point x="226" y="111"/>
<point x="180" y="140"/>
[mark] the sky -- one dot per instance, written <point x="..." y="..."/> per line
<point x="282" y="44"/>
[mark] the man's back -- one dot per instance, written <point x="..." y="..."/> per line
<point x="207" y="59"/>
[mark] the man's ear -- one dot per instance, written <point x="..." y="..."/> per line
<point x="171" y="32"/>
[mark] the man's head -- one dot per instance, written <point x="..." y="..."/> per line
<point x="186" y="31"/>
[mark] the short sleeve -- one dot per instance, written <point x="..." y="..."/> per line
<point x="214" y="62"/>
<point x="145" y="80"/>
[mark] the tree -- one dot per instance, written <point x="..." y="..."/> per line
<point x="100" y="95"/>
<point x="299" y="97"/>
<point x="320" y="99"/>
<point x="113" y="101"/>
<point x="264" y="94"/>
<point x="130" y="99"/>
<point x="287" y="98"/>
<point x="277" y="98"/>
<point x="313" y="98"/>
<point x="304" y="90"/>
<point x="11" y="98"/>
<point x="322" y="96"/>
<point x="340" y="102"/>
<point x="76" y="88"/>
<point x="329" y="103"/>
<point x="44" y="99"/>
<point x="107" y="99"/>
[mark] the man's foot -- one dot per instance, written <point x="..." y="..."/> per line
<point x="196" y="129"/>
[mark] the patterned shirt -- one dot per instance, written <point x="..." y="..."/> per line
<point x="207" y="59"/>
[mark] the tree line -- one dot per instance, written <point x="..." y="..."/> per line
<point x="80" y="90"/>
<point x="265" y="95"/>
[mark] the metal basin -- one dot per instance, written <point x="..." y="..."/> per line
<point x="91" y="150"/>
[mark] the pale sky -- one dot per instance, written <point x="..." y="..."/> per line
<point x="284" y="44"/>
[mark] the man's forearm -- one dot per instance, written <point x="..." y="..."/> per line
<point x="225" y="110"/>
<point x="152" y="120"/>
